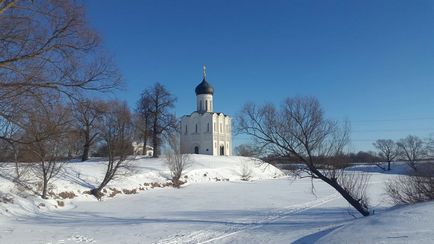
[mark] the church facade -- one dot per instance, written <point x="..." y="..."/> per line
<point x="205" y="131"/>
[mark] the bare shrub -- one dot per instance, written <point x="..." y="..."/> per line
<point x="245" y="172"/>
<point x="175" y="161"/>
<point x="415" y="188"/>
<point x="67" y="195"/>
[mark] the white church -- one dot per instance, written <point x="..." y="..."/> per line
<point x="205" y="131"/>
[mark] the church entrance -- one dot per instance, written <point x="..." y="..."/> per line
<point x="196" y="150"/>
<point x="222" y="150"/>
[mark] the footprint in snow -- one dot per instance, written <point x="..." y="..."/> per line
<point x="80" y="238"/>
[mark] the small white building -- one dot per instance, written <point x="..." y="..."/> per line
<point x="138" y="149"/>
<point x="205" y="131"/>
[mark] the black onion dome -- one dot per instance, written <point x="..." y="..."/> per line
<point x="204" y="88"/>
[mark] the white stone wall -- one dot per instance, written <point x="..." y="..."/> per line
<point x="204" y="103"/>
<point x="213" y="131"/>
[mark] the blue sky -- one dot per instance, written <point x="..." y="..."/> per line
<point x="371" y="62"/>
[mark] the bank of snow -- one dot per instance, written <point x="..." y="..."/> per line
<point x="143" y="174"/>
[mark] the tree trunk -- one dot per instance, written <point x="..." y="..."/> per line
<point x="344" y="193"/>
<point x="155" y="140"/>
<point x="156" y="146"/>
<point x="85" y="155"/>
<point x="86" y="146"/>
<point x="44" y="187"/>
<point x="145" y="141"/>
<point x="388" y="166"/>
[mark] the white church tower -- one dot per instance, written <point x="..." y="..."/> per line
<point x="205" y="131"/>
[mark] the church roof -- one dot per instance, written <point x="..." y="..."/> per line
<point x="204" y="88"/>
<point x="203" y="113"/>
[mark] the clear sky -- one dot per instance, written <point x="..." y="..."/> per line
<point x="371" y="62"/>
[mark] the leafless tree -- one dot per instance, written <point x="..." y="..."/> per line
<point x="45" y="127"/>
<point x="298" y="129"/>
<point x="413" y="149"/>
<point x="46" y="47"/>
<point x="87" y="114"/>
<point x="116" y="130"/>
<point x="176" y="162"/>
<point x="157" y="101"/>
<point x="142" y="121"/>
<point x="388" y="151"/>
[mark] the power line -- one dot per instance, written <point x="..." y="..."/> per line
<point x="391" y="120"/>
<point x="395" y="130"/>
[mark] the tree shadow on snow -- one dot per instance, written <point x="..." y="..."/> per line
<point x="316" y="236"/>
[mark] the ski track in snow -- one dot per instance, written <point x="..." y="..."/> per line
<point x="209" y="236"/>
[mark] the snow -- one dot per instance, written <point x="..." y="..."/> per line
<point x="214" y="206"/>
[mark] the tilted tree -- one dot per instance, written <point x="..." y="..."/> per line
<point x="388" y="151"/>
<point x="158" y="102"/>
<point x="298" y="129"/>
<point x="116" y="130"/>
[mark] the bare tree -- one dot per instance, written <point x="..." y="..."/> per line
<point x="176" y="162"/>
<point x="299" y="129"/>
<point x="412" y="148"/>
<point x="388" y="151"/>
<point x="116" y="129"/>
<point x="142" y="128"/>
<point x="87" y="114"/>
<point x="45" y="128"/>
<point x="157" y="102"/>
<point x="46" y="47"/>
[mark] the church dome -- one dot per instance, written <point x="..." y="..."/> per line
<point x="204" y="88"/>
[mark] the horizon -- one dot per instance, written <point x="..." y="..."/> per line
<point x="370" y="63"/>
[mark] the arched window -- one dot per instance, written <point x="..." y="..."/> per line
<point x="196" y="128"/>
<point x="207" y="128"/>
<point x="206" y="105"/>
<point x="185" y="130"/>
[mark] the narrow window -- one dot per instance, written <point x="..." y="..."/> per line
<point x="207" y="128"/>
<point x="185" y="129"/>
<point x="196" y="128"/>
<point x="201" y="105"/>
<point x="206" y="105"/>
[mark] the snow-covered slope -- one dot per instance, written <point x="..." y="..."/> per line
<point x="409" y="224"/>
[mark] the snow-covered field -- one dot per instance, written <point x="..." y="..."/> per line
<point x="214" y="206"/>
